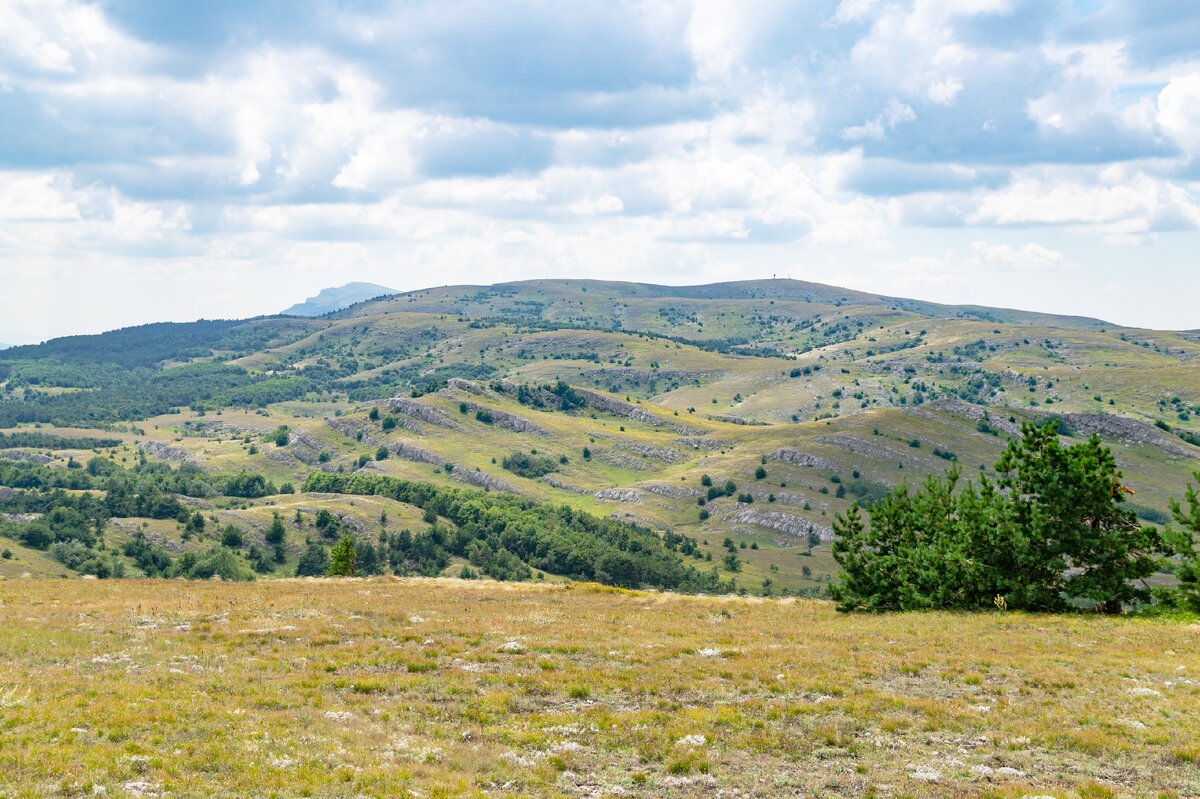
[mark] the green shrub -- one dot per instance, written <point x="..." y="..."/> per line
<point x="1052" y="531"/>
<point x="526" y="465"/>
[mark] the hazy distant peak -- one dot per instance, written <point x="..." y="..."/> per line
<point x="336" y="298"/>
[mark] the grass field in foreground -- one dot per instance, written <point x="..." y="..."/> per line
<point x="429" y="688"/>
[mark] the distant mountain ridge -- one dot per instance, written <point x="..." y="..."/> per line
<point x="614" y="294"/>
<point x="337" y="298"/>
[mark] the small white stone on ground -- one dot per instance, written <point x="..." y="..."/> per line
<point x="926" y="774"/>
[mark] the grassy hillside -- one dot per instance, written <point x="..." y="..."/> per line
<point x="452" y="688"/>
<point x="805" y="397"/>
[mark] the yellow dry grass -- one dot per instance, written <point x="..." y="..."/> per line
<point x="439" y="688"/>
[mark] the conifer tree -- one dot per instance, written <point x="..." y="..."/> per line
<point x="342" y="558"/>
<point x="276" y="536"/>
<point x="1184" y="543"/>
<point x="1050" y="532"/>
<point x="314" y="562"/>
<point x="1068" y="502"/>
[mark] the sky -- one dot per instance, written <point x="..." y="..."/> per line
<point x="217" y="159"/>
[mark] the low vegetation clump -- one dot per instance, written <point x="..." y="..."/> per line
<point x="523" y="464"/>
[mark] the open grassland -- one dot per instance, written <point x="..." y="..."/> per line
<point x="438" y="688"/>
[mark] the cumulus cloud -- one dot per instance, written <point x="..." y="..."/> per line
<point x="1118" y="202"/>
<point x="1179" y="111"/>
<point x="35" y="198"/>
<point x="682" y="139"/>
<point x="1030" y="258"/>
<point x="58" y="38"/>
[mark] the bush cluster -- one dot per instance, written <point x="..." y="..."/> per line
<point x="1049" y="534"/>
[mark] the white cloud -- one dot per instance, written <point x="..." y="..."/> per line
<point x="756" y="136"/>
<point x="1179" y="112"/>
<point x="383" y="157"/>
<point x="605" y="204"/>
<point x="59" y="37"/>
<point x="944" y="91"/>
<point x="911" y="47"/>
<point x="893" y="115"/>
<point x="721" y="33"/>
<point x="35" y="198"/>
<point x="853" y="10"/>
<point x="1118" y="202"/>
<point x="1030" y="258"/>
<point x="1088" y="78"/>
<point x="145" y="222"/>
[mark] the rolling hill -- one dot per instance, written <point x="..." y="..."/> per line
<point x="737" y="418"/>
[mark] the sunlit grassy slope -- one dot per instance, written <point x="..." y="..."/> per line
<point x="836" y="395"/>
<point x="441" y="688"/>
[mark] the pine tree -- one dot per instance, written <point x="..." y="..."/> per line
<point x="342" y="558"/>
<point x="195" y="523"/>
<point x="1185" y="545"/>
<point x="1068" y="501"/>
<point x="314" y="562"/>
<point x="258" y="560"/>
<point x="913" y="555"/>
<point x="367" y="558"/>
<point x="276" y="536"/>
<point x="1049" y="532"/>
<point x="231" y="537"/>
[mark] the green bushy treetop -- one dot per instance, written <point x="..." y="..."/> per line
<point x="1049" y="533"/>
<point x="343" y="558"/>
